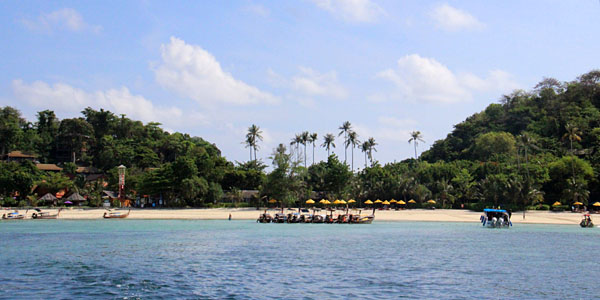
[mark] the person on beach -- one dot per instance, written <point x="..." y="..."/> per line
<point x="229" y="217"/>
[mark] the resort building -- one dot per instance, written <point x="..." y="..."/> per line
<point x="18" y="156"/>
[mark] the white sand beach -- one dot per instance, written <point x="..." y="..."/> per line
<point x="438" y="215"/>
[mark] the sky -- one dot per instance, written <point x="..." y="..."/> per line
<point x="214" y="68"/>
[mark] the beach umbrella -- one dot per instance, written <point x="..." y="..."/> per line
<point x="393" y="201"/>
<point x="351" y="201"/>
<point x="327" y="202"/>
<point x="378" y="201"/>
<point x="336" y="202"/>
<point x="68" y="202"/>
<point x="596" y="204"/>
<point x="401" y="202"/>
<point x="342" y="202"/>
<point x="272" y="201"/>
<point x="431" y="201"/>
<point x="577" y="203"/>
<point x="368" y="202"/>
<point x="412" y="201"/>
<point x="385" y="202"/>
<point x="310" y="201"/>
<point x="556" y="203"/>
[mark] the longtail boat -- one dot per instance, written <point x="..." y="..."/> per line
<point x="39" y="214"/>
<point x="13" y="216"/>
<point x="115" y="215"/>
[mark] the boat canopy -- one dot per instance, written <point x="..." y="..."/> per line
<point x="494" y="210"/>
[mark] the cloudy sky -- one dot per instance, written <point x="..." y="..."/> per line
<point x="213" y="68"/>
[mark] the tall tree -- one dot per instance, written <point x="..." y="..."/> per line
<point x="365" y="149"/>
<point x="73" y="134"/>
<point x="328" y="142"/>
<point x="415" y="137"/>
<point x="313" y="139"/>
<point x="372" y="144"/>
<point x="345" y="129"/>
<point x="352" y="140"/>
<point x="252" y="137"/>
<point x="573" y="134"/>
<point x="304" y="139"/>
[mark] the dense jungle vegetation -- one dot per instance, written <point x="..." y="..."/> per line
<point x="530" y="150"/>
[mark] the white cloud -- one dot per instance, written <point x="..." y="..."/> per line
<point x="65" y="98"/>
<point x="313" y="83"/>
<point x="352" y="10"/>
<point x="62" y="19"/>
<point x="193" y="72"/>
<point x="425" y="79"/>
<point x="453" y="19"/>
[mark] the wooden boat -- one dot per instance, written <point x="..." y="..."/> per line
<point x="318" y="219"/>
<point x="265" y="218"/>
<point x="586" y="222"/>
<point x="280" y="218"/>
<point x="495" y="218"/>
<point x="116" y="215"/>
<point x="360" y="219"/>
<point x="39" y="214"/>
<point x="14" y="215"/>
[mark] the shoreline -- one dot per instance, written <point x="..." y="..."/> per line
<point x="412" y="215"/>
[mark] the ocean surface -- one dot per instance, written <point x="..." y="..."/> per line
<point x="184" y="259"/>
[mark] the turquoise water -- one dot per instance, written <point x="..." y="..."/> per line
<point x="151" y="259"/>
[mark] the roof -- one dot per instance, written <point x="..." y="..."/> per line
<point x="48" y="167"/>
<point x="20" y="154"/>
<point x="48" y="197"/>
<point x="88" y="170"/>
<point x="494" y="210"/>
<point x="249" y="193"/>
<point x="111" y="194"/>
<point x="75" y="197"/>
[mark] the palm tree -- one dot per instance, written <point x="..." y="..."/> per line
<point x="328" y="142"/>
<point x="365" y="148"/>
<point x="252" y="138"/>
<point x="352" y="140"/>
<point x="345" y="129"/>
<point x="415" y="137"/>
<point x="372" y="145"/>
<point x="296" y="141"/>
<point x="312" y="139"/>
<point x="305" y="137"/>
<point x="572" y="134"/>
<point x="445" y="187"/>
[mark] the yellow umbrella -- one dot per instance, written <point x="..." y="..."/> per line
<point x="393" y="201"/>
<point x="431" y="201"/>
<point x="272" y="201"/>
<point x="596" y="204"/>
<point x="342" y="202"/>
<point x="577" y="203"/>
<point x="385" y="202"/>
<point x="401" y="202"/>
<point x="323" y="201"/>
<point x="378" y="201"/>
<point x="412" y="201"/>
<point x="556" y="203"/>
<point x="368" y="202"/>
<point x="310" y="201"/>
<point x="327" y="202"/>
<point x="336" y="202"/>
<point x="351" y="201"/>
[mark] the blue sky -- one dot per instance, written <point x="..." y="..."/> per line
<point x="213" y="68"/>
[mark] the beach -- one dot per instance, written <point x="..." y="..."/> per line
<point x="412" y="215"/>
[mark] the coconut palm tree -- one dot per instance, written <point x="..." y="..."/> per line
<point x="252" y="137"/>
<point x="352" y="140"/>
<point x="328" y="142"/>
<point x="312" y="139"/>
<point x="573" y="134"/>
<point x="415" y="137"/>
<point x="372" y="145"/>
<point x="345" y="129"/>
<point x="296" y="141"/>
<point x="365" y="148"/>
<point x="304" y="139"/>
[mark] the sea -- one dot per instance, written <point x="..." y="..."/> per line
<point x="200" y="259"/>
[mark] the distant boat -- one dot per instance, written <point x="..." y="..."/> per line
<point x="39" y="214"/>
<point x="495" y="218"/>
<point x="14" y="215"/>
<point x="116" y="215"/>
